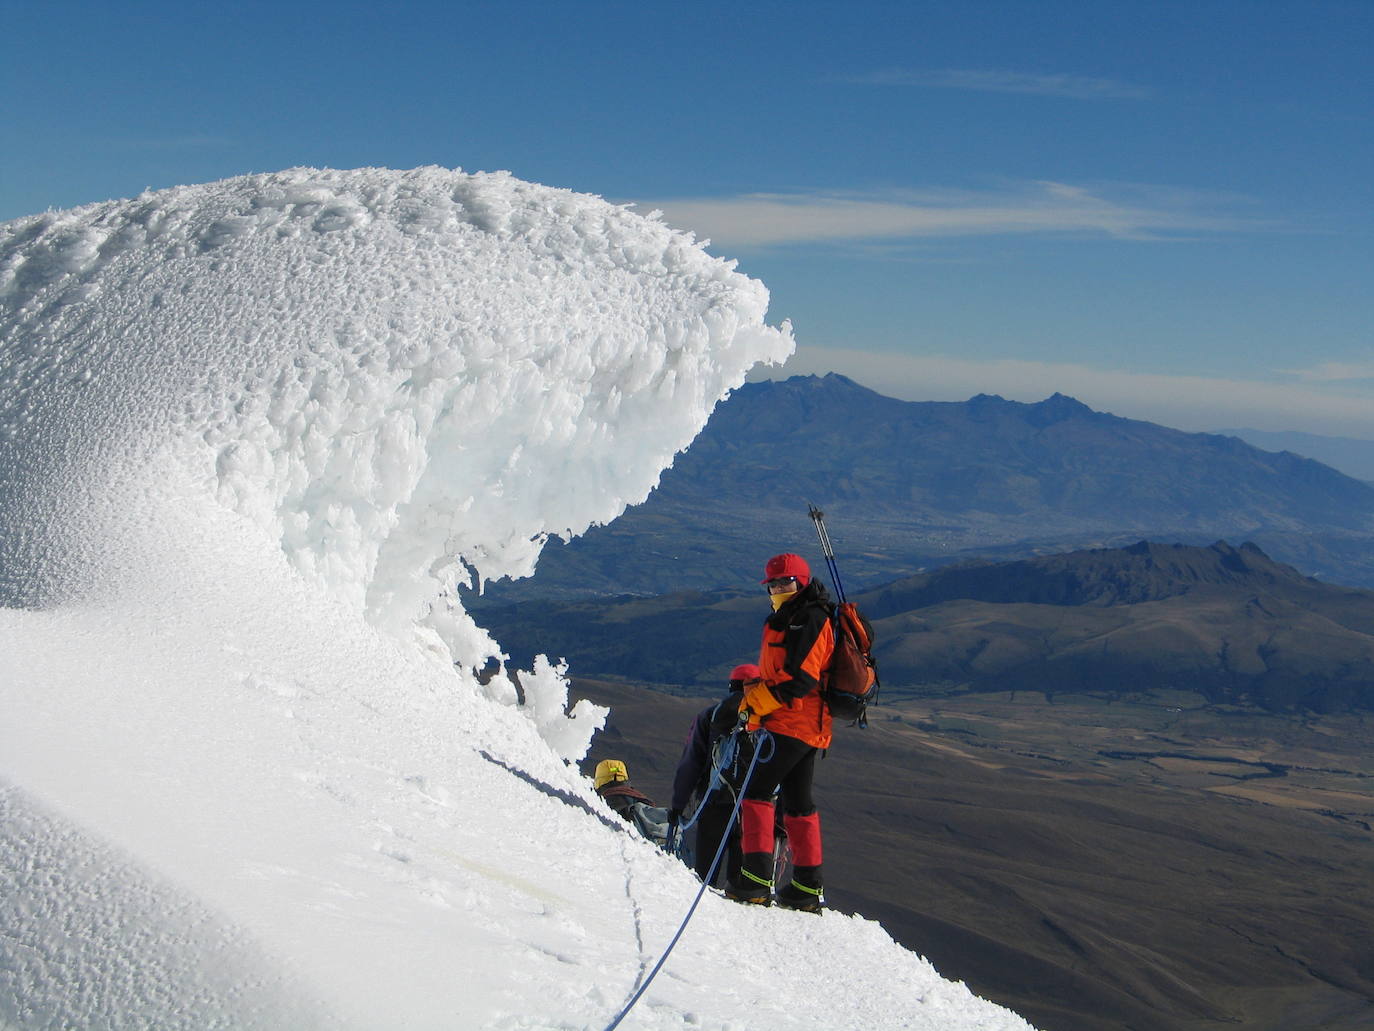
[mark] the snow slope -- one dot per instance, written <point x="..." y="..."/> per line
<point x="251" y="434"/>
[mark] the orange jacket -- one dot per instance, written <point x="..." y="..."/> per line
<point x="798" y="641"/>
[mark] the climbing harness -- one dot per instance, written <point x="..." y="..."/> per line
<point x="761" y="738"/>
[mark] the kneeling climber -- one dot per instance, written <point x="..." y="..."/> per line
<point x="612" y="783"/>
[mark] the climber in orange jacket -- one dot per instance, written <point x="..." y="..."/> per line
<point x="786" y="700"/>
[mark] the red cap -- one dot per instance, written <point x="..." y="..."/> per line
<point x="746" y="672"/>
<point x="787" y="564"/>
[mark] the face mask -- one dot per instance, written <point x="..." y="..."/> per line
<point x="779" y="600"/>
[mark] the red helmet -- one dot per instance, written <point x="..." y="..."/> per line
<point x="746" y="672"/>
<point x="787" y="564"/>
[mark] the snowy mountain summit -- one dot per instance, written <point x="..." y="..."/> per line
<point x="251" y="435"/>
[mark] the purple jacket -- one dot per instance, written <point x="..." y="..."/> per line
<point x="694" y="768"/>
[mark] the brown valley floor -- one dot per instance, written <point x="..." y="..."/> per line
<point x="1146" y="864"/>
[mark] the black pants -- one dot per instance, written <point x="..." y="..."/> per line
<point x="711" y="827"/>
<point x="788" y="771"/>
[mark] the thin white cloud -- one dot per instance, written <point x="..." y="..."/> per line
<point x="988" y="80"/>
<point x="782" y="219"/>
<point x="1334" y="372"/>
<point x="1195" y="403"/>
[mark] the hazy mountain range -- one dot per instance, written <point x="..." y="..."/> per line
<point x="1350" y="455"/>
<point x="908" y="486"/>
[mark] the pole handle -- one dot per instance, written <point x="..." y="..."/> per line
<point x="818" y="517"/>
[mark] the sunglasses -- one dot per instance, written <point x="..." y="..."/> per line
<point x="780" y="583"/>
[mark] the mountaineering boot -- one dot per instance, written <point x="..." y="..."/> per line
<point x="805" y="892"/>
<point x="755" y="883"/>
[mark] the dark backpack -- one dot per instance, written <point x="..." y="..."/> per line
<point x="852" y="680"/>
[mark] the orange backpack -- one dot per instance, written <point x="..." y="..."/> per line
<point x="852" y="680"/>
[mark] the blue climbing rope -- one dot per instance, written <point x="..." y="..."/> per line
<point x="761" y="737"/>
<point x="724" y="754"/>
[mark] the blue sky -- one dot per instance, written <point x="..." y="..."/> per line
<point x="1164" y="209"/>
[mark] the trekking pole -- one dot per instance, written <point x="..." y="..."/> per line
<point x="818" y="517"/>
<point x="828" y="550"/>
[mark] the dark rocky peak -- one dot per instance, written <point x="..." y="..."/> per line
<point x="832" y="384"/>
<point x="989" y="408"/>
<point x="1219" y="563"/>
<point x="798" y="404"/>
<point x="1057" y="408"/>
<point x="835" y="379"/>
<point x="1142" y="572"/>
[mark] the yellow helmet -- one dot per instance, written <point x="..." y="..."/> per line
<point x="609" y="770"/>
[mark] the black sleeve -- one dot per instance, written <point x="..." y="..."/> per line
<point x="798" y="641"/>
<point x="696" y="756"/>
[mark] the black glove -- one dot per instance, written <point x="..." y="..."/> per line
<point x="670" y="841"/>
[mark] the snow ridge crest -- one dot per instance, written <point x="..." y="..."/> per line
<point x="403" y="378"/>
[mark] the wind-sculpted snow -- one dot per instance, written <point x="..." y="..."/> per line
<point x="251" y="434"/>
<point x="392" y="374"/>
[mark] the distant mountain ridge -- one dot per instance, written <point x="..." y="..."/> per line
<point x="989" y="457"/>
<point x="1227" y="623"/>
<point x="1350" y="455"/>
<point x="911" y="485"/>
<point x="1230" y="624"/>
<point x="1144" y="572"/>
